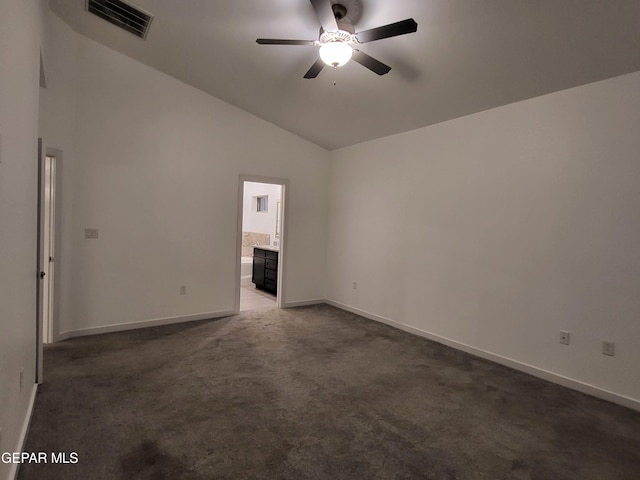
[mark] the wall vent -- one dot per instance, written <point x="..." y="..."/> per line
<point x="124" y="15"/>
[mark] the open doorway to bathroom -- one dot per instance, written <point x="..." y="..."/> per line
<point x="261" y="243"/>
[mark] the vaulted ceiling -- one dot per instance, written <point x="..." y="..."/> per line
<point x="467" y="56"/>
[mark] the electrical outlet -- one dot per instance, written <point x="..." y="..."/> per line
<point x="608" y="348"/>
<point x="355" y="285"/>
<point x="564" y="337"/>
<point x="21" y="379"/>
<point x="183" y="290"/>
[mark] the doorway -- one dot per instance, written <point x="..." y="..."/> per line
<point x="261" y="242"/>
<point x="47" y="273"/>
<point x="48" y="181"/>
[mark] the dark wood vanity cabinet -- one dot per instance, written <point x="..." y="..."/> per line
<point x="265" y="269"/>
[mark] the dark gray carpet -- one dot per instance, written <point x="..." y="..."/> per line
<point x="312" y="393"/>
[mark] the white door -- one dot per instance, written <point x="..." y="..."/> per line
<point x="46" y="249"/>
<point x="48" y="240"/>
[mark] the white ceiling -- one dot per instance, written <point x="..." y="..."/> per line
<point x="467" y="56"/>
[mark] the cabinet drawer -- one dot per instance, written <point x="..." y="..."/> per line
<point x="271" y="274"/>
<point x="258" y="252"/>
<point x="272" y="264"/>
<point x="270" y="284"/>
<point x="271" y="255"/>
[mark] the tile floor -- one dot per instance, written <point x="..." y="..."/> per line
<point x="253" y="299"/>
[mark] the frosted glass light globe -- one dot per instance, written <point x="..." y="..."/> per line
<point x="335" y="54"/>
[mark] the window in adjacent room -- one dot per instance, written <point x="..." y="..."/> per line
<point x="262" y="203"/>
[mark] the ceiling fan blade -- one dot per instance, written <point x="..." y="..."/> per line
<point x="392" y="30"/>
<point x="276" y="41"/>
<point x="325" y="15"/>
<point x="371" y="63"/>
<point x="315" y="69"/>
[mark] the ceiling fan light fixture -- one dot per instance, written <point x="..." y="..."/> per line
<point x="336" y="54"/>
<point x="339" y="41"/>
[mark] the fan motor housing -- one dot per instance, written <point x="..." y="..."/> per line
<point x="345" y="33"/>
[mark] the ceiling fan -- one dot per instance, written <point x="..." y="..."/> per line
<point x="338" y="40"/>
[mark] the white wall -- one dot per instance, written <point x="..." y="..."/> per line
<point x="260" y="222"/>
<point x="20" y="30"/>
<point x="500" y="229"/>
<point x="155" y="166"/>
<point x="58" y="106"/>
<point x="495" y="230"/>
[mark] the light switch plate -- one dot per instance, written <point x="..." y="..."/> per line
<point x="90" y="233"/>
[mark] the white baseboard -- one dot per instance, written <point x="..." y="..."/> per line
<point x="583" y="387"/>
<point x="15" y="467"/>
<point x="304" y="303"/>
<point x="119" y="327"/>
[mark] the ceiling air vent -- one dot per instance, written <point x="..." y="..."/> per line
<point x="123" y="15"/>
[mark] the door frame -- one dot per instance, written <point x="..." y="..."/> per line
<point x="41" y="261"/>
<point x="39" y="255"/>
<point x="282" y="256"/>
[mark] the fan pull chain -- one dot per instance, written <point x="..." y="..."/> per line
<point x="335" y="69"/>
